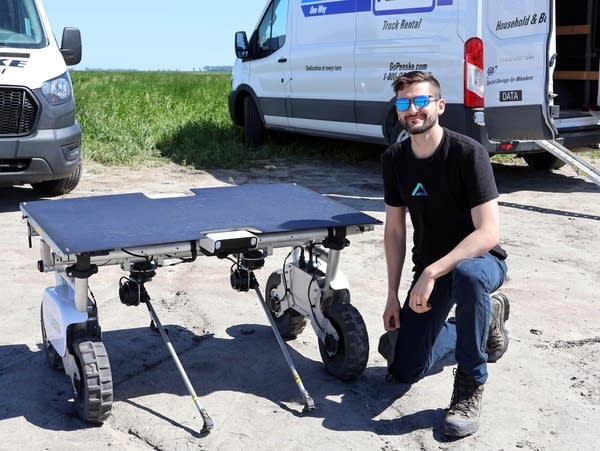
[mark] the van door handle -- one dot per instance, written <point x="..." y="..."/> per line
<point x="282" y="60"/>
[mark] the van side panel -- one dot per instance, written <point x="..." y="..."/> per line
<point x="398" y="37"/>
<point x="322" y="66"/>
<point x="344" y="55"/>
<point x="269" y="75"/>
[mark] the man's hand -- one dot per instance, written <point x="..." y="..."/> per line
<point x="391" y="314"/>
<point x="419" y="295"/>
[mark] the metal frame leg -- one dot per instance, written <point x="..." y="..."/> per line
<point x="208" y="422"/>
<point x="309" y="404"/>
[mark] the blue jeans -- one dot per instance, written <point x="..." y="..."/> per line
<point x="425" y="338"/>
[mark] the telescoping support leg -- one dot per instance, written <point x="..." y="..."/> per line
<point x="208" y="422"/>
<point x="242" y="279"/>
<point x="309" y="404"/>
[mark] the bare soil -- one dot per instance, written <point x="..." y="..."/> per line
<point x="544" y="394"/>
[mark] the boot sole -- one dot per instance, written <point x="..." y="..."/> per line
<point x="457" y="431"/>
<point x="505" y="312"/>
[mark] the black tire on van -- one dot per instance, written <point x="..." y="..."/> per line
<point x="254" y="129"/>
<point x="58" y="187"/>
<point x="543" y="161"/>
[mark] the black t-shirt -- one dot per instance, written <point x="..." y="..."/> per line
<point x="439" y="191"/>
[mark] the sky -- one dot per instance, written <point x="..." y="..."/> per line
<point x="155" y="35"/>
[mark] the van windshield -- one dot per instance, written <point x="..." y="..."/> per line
<point x="20" y="25"/>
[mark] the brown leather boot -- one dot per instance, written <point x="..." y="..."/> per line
<point x="497" y="342"/>
<point x="462" y="418"/>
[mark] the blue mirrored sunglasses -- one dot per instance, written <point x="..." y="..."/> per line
<point x="419" y="102"/>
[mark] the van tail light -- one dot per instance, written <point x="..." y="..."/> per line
<point x="474" y="81"/>
<point x="507" y="146"/>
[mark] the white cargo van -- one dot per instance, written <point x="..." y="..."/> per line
<point x="40" y="141"/>
<point x="325" y="68"/>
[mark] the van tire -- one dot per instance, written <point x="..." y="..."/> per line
<point x="544" y="161"/>
<point x="58" y="187"/>
<point x="254" y="129"/>
<point x="392" y="129"/>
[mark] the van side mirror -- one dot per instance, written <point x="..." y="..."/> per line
<point x="70" y="46"/>
<point x="241" y="45"/>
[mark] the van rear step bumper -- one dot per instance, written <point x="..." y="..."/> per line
<point x="582" y="136"/>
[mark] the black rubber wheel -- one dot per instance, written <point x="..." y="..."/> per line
<point x="291" y="323"/>
<point x="52" y="357"/>
<point x="391" y="128"/>
<point x="544" y="161"/>
<point x="254" y="129"/>
<point x="93" y="388"/>
<point x="58" y="187"/>
<point x="352" y="353"/>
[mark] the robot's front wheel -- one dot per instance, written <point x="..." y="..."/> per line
<point x="351" y="354"/>
<point x="92" y="387"/>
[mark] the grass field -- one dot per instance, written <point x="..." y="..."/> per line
<point x="135" y="118"/>
<point x="138" y="118"/>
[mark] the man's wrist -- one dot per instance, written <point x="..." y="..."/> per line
<point x="430" y="273"/>
<point x="392" y="297"/>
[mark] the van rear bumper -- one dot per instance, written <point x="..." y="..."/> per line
<point x="43" y="155"/>
<point x="458" y="117"/>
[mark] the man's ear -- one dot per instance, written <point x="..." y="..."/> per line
<point x="441" y="106"/>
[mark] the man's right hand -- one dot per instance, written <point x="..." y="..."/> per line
<point x="391" y="314"/>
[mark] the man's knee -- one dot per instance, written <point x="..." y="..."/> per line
<point x="468" y="275"/>
<point x="406" y="373"/>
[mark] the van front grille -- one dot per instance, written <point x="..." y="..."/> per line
<point x="16" y="165"/>
<point x="18" y="111"/>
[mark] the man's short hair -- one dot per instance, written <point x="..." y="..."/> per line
<point x="416" y="76"/>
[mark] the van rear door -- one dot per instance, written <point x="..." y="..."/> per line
<point x="519" y="54"/>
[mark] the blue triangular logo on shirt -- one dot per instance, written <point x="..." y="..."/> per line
<point x="419" y="191"/>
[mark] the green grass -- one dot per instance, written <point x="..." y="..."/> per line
<point x="140" y="118"/>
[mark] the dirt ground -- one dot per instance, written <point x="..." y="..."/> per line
<point x="544" y="394"/>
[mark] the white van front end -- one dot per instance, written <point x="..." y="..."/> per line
<point x="40" y="140"/>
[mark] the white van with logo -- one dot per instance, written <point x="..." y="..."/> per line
<point x="325" y="68"/>
<point x="40" y="140"/>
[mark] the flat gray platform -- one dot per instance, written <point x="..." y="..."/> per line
<point x="103" y="223"/>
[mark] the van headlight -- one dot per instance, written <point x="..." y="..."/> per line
<point x="58" y="90"/>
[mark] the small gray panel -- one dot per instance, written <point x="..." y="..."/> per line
<point x="510" y="123"/>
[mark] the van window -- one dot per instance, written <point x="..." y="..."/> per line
<point x="272" y="28"/>
<point x="20" y="25"/>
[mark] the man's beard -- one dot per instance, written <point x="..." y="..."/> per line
<point x="428" y="123"/>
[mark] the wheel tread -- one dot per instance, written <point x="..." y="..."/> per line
<point x="352" y="360"/>
<point x="97" y="381"/>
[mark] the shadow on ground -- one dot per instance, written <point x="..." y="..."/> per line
<point x="141" y="366"/>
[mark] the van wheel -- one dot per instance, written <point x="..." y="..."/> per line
<point x="544" y="161"/>
<point x="392" y="128"/>
<point x="254" y="129"/>
<point x="60" y="186"/>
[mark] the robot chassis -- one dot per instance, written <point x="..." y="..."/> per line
<point x="309" y="286"/>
